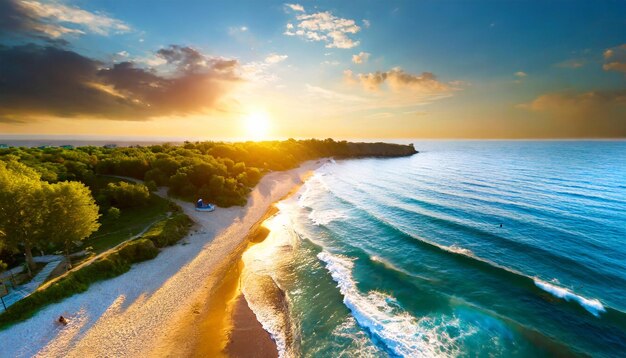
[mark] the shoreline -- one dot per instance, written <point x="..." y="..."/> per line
<point x="222" y="324"/>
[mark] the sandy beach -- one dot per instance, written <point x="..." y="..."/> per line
<point x="165" y="306"/>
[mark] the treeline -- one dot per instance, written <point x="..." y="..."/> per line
<point x="222" y="173"/>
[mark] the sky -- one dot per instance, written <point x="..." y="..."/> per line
<point x="343" y="69"/>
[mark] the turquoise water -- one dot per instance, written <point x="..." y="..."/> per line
<point x="406" y="256"/>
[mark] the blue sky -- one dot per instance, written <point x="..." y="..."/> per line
<point x="499" y="68"/>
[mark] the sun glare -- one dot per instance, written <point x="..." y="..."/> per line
<point x="257" y="125"/>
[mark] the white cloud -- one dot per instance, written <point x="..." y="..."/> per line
<point x="520" y="74"/>
<point x="615" y="59"/>
<point x="275" y="58"/>
<point x="259" y="71"/>
<point x="325" y="27"/>
<point x="295" y="7"/>
<point x="398" y="81"/>
<point x="330" y="63"/>
<point x="93" y="22"/>
<point x="152" y="60"/>
<point x="361" y="57"/>
<point x="366" y="23"/>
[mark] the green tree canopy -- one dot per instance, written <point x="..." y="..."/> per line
<point x="21" y="201"/>
<point x="71" y="211"/>
<point x="35" y="212"/>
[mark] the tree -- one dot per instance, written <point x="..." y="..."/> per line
<point x="73" y="212"/>
<point x="127" y="195"/>
<point x="21" y="207"/>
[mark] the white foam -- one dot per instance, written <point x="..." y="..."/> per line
<point x="381" y="314"/>
<point x="267" y="258"/>
<point x="312" y="189"/>
<point x="325" y="217"/>
<point x="458" y="250"/>
<point x="594" y="306"/>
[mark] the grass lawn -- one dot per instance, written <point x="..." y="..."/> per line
<point x="131" y="222"/>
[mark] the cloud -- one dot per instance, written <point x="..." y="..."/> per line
<point x="571" y="64"/>
<point x="295" y="7"/>
<point x="275" y="58"/>
<point x="366" y="23"/>
<point x="361" y="57"/>
<point x="48" y="81"/>
<point x="54" y="20"/>
<point x="592" y="113"/>
<point x="333" y="95"/>
<point x="520" y="74"/>
<point x="325" y="27"/>
<point x="330" y="63"/>
<point x="565" y="101"/>
<point x="398" y="80"/>
<point x="259" y="71"/>
<point x="237" y="30"/>
<point x="615" y="59"/>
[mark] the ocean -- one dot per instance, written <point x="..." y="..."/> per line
<point x="467" y="249"/>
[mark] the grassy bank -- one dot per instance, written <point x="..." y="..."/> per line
<point x="164" y="233"/>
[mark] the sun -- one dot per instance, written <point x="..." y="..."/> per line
<point x="257" y="125"/>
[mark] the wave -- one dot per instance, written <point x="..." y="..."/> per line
<point x="325" y="217"/>
<point x="467" y="254"/>
<point x="470" y="258"/>
<point x="395" y="329"/>
<point x="594" y="306"/>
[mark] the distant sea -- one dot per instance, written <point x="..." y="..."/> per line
<point x="469" y="248"/>
<point x="81" y="141"/>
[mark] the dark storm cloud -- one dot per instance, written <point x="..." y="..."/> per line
<point x="47" y="80"/>
<point x="15" y="19"/>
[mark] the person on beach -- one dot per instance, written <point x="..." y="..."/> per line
<point x="63" y="320"/>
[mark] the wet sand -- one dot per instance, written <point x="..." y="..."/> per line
<point x="248" y="338"/>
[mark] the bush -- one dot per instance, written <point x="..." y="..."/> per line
<point x="114" y="213"/>
<point x="151" y="185"/>
<point x="139" y="250"/>
<point x="169" y="231"/>
<point x="127" y="195"/>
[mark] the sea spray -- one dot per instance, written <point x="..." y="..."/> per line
<point x="396" y="329"/>
<point x="593" y="306"/>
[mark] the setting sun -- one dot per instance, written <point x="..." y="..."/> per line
<point x="312" y="178"/>
<point x="257" y="125"/>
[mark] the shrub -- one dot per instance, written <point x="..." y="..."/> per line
<point x="113" y="213"/>
<point x="169" y="231"/>
<point x="151" y="185"/>
<point x="126" y="195"/>
<point x="139" y="250"/>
